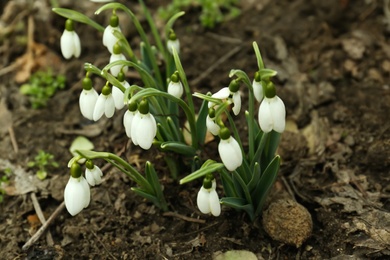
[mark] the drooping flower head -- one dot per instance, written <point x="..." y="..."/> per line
<point x="104" y="104"/>
<point x="272" y="112"/>
<point x="129" y="116"/>
<point x="229" y="150"/>
<point x="88" y="98"/>
<point x="143" y="126"/>
<point x="232" y="92"/>
<point x="115" y="56"/>
<point x="109" y="38"/>
<point x="211" y="123"/>
<point x="173" y="42"/>
<point x="207" y="199"/>
<point x="175" y="88"/>
<point x="93" y="174"/>
<point x="77" y="194"/>
<point x="117" y="93"/>
<point x="258" y="87"/>
<point x="70" y="41"/>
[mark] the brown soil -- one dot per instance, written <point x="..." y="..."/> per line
<point x="333" y="63"/>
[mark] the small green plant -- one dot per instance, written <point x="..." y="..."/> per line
<point x="213" y="11"/>
<point x="41" y="162"/>
<point x="41" y="87"/>
<point x="4" y="180"/>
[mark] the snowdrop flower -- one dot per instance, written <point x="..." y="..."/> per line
<point x="257" y="87"/>
<point x="173" y="42"/>
<point x="229" y="150"/>
<point x="109" y="38"/>
<point x="77" y="194"/>
<point x="104" y="104"/>
<point x="88" y="98"/>
<point x="129" y="116"/>
<point x="93" y="174"/>
<point x="175" y="88"/>
<point x="232" y="93"/>
<point x="208" y="200"/>
<point x="117" y="93"/>
<point x="272" y="112"/>
<point x="115" y="56"/>
<point x="143" y="126"/>
<point x="211" y="125"/>
<point x="70" y="41"/>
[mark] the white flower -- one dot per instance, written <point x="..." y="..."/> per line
<point x="173" y="44"/>
<point x="143" y="130"/>
<point x="109" y="38"/>
<point x="212" y="126"/>
<point x="104" y="105"/>
<point x="208" y="200"/>
<point x="117" y="68"/>
<point x="224" y="93"/>
<point x="127" y="121"/>
<point x="87" y="102"/>
<point x="119" y="96"/>
<point x="70" y="44"/>
<point x="230" y="153"/>
<point x="272" y="115"/>
<point x="258" y="90"/>
<point x="94" y="175"/>
<point x="77" y="195"/>
<point x="175" y="89"/>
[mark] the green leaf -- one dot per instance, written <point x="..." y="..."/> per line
<point x="265" y="184"/>
<point x="80" y="143"/>
<point x="147" y="196"/>
<point x="201" y="128"/>
<point x="171" y="21"/>
<point x="260" y="62"/>
<point x="76" y="16"/>
<point x="209" y="166"/>
<point x="180" y="148"/>
<point x="239" y="204"/>
<point x="93" y="155"/>
<point x="267" y="73"/>
<point x="152" y="178"/>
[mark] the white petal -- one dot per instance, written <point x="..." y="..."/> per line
<point x="175" y="89"/>
<point x="76" y="196"/>
<point x="146" y="131"/>
<point x="99" y="107"/>
<point x="278" y="111"/>
<point x="212" y="126"/>
<point x="258" y="90"/>
<point x="89" y="177"/>
<point x="203" y="201"/>
<point x="215" y="205"/>
<point x="222" y="94"/>
<point x="230" y="153"/>
<point x="87" y="102"/>
<point x="265" y="118"/>
<point x="118" y="96"/>
<point x="173" y="45"/>
<point x="127" y="122"/>
<point x="117" y="68"/>
<point x="109" y="106"/>
<point x="134" y="127"/>
<point x="236" y="102"/>
<point x="76" y="45"/>
<point x="109" y="38"/>
<point x="67" y="44"/>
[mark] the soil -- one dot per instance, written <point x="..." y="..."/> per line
<point x="333" y="63"/>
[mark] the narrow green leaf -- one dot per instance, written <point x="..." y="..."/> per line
<point x="180" y="148"/>
<point x="239" y="204"/>
<point x="260" y="62"/>
<point x="212" y="166"/>
<point x="78" y="17"/>
<point x="201" y="122"/>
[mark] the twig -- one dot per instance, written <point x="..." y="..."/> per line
<point x="13" y="139"/>
<point x="215" y="65"/>
<point x="41" y="217"/>
<point x="175" y="215"/>
<point x="40" y="231"/>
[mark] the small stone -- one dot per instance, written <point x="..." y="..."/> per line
<point x="288" y="222"/>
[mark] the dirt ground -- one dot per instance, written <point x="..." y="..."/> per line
<point x="333" y="63"/>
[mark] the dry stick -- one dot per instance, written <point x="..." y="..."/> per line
<point x="215" y="65"/>
<point x="104" y="246"/>
<point x="41" y="217"/>
<point x="173" y="214"/>
<point x="40" y="231"/>
<point x="13" y="139"/>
